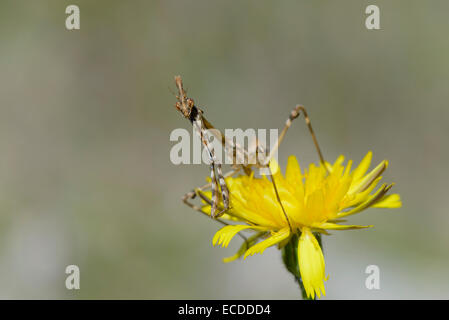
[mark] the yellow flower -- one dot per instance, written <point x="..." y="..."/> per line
<point x="313" y="202"/>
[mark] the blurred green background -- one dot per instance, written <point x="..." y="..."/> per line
<point x="85" y="119"/>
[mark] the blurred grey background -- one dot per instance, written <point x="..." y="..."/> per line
<point x="85" y="118"/>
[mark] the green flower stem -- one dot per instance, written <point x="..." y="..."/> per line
<point x="290" y="259"/>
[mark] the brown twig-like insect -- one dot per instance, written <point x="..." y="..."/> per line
<point x="187" y="107"/>
<point x="195" y="115"/>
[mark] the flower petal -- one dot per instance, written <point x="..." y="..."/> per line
<point x="311" y="264"/>
<point x="275" y="238"/>
<point x="274" y="167"/>
<point x="338" y="162"/>
<point x="245" y="245"/>
<point x="293" y="172"/>
<point x="225" y="234"/>
<point x="334" y="226"/>
<point x="358" y="198"/>
<point x="363" y="166"/>
<point x="366" y="181"/>
<point x="390" y="201"/>
<point x="368" y="203"/>
<point x="207" y="210"/>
